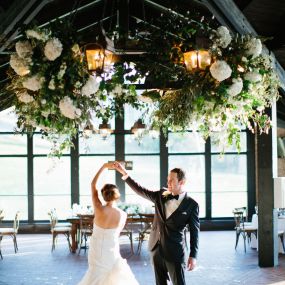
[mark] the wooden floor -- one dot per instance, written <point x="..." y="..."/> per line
<point x="219" y="263"/>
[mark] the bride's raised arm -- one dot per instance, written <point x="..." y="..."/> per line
<point x="95" y="197"/>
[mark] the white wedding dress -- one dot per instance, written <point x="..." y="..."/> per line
<point x="106" y="266"/>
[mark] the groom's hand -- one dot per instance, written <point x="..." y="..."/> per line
<point x="191" y="264"/>
<point x="119" y="167"/>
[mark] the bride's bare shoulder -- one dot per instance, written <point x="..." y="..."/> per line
<point x="123" y="214"/>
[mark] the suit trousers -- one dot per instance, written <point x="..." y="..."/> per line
<point x="162" y="267"/>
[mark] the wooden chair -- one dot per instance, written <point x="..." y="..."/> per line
<point x="85" y="231"/>
<point x="11" y="232"/>
<point x="128" y="230"/>
<point x="57" y="229"/>
<point x="146" y="223"/>
<point x="58" y="224"/>
<point x="243" y="228"/>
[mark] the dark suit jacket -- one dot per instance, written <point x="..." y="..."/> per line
<point x="170" y="232"/>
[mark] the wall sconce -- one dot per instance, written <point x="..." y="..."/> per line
<point x="197" y="59"/>
<point x="138" y="128"/>
<point x="105" y="130"/>
<point x="98" y="59"/>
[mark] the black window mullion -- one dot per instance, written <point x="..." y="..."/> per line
<point x="74" y="171"/>
<point x="163" y="159"/>
<point x="120" y="153"/>
<point x="30" y="178"/>
<point x="208" y="179"/>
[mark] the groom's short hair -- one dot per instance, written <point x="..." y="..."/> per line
<point x="181" y="174"/>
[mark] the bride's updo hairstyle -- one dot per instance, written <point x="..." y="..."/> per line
<point x="110" y="192"/>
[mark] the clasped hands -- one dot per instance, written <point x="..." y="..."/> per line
<point x="115" y="166"/>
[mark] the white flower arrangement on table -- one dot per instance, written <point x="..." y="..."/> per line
<point x="54" y="91"/>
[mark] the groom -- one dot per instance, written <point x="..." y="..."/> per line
<point x="174" y="210"/>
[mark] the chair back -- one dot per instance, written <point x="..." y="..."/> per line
<point x="53" y="220"/>
<point x="16" y="222"/>
<point x="243" y="210"/>
<point x="239" y="219"/>
<point x="86" y="225"/>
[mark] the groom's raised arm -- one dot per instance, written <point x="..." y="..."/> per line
<point x="143" y="192"/>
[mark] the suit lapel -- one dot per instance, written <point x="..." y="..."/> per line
<point x="181" y="206"/>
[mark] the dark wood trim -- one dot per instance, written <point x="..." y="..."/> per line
<point x="163" y="159"/>
<point x="120" y="154"/>
<point x="74" y="171"/>
<point x="208" y="179"/>
<point x="267" y="216"/>
<point x="251" y="182"/>
<point x="30" y="178"/>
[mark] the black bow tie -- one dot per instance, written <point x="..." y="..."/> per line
<point x="170" y="197"/>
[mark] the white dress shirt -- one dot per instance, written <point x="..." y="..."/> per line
<point x="173" y="204"/>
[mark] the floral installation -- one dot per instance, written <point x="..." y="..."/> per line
<point x="54" y="91"/>
<point x="232" y="92"/>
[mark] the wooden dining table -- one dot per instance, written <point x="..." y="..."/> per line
<point x="75" y="224"/>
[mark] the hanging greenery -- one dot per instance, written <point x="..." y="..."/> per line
<point x="218" y="101"/>
<point x="55" y="93"/>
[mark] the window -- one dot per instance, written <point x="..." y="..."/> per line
<point x="229" y="184"/>
<point x="51" y="187"/>
<point x="187" y="151"/>
<point x="93" y="153"/>
<point x="13" y="168"/>
<point x="13" y="185"/>
<point x="145" y="157"/>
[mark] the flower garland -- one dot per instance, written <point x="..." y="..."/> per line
<point x="233" y="92"/>
<point x="54" y="91"/>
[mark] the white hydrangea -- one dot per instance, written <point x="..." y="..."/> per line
<point x="35" y="34"/>
<point x="24" y="49"/>
<point x="145" y="99"/>
<point x="91" y="86"/>
<point x="220" y="70"/>
<point x="51" y="85"/>
<point x="20" y="65"/>
<point x="224" y="37"/>
<point x="236" y="87"/>
<point x="33" y="83"/>
<point x="253" y="47"/>
<point x="53" y="49"/>
<point x="253" y="76"/>
<point x="67" y="108"/>
<point x="117" y="91"/>
<point x="62" y="70"/>
<point x="25" y="97"/>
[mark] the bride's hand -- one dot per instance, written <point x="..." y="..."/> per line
<point x="119" y="167"/>
<point x="109" y="165"/>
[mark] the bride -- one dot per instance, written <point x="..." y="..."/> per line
<point x="106" y="266"/>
